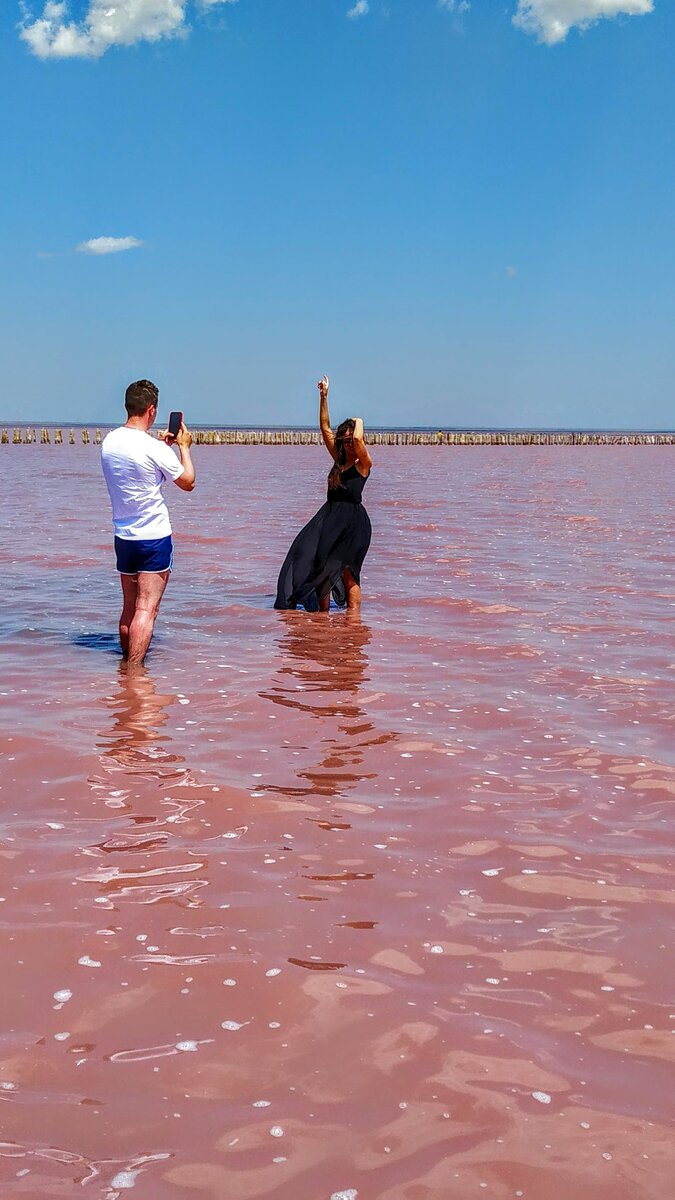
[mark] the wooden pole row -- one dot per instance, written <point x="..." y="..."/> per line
<point x="311" y="437"/>
<point x="27" y="437"/>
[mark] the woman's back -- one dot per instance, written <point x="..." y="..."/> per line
<point x="351" y="486"/>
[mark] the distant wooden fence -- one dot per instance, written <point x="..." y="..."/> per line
<point x="312" y="437"/>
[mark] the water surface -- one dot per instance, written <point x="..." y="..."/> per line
<point x="320" y="907"/>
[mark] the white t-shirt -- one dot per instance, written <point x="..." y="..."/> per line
<point x="135" y="466"/>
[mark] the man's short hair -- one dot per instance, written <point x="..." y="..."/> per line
<point x="139" y="396"/>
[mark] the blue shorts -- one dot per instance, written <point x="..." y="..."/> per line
<point x="153" y="554"/>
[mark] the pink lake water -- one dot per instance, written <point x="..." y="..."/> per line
<point x="319" y="908"/>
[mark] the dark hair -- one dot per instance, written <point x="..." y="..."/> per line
<point x="139" y="396"/>
<point x="335" y="476"/>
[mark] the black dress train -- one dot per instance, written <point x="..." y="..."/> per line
<point x="338" y="536"/>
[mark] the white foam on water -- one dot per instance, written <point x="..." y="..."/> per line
<point x="124" y="1179"/>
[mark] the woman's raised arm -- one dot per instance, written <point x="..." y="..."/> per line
<point x="324" y="420"/>
<point x="360" y="450"/>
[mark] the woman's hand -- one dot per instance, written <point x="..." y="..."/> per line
<point x="358" y="429"/>
<point x="323" y="386"/>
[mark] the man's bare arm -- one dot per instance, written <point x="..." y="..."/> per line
<point x="186" y="481"/>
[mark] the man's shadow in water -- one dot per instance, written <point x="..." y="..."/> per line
<point x="107" y="642"/>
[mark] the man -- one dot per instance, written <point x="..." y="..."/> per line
<point x="135" y="466"/>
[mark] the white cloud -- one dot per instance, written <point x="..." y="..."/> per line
<point x="551" y="20"/>
<point x="106" y="23"/>
<point x="511" y="272"/>
<point x="108" y="245"/>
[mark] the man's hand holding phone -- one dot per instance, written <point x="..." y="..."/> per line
<point x="175" y="422"/>
<point x="183" y="437"/>
<point x="179" y="435"/>
<point x="177" y="432"/>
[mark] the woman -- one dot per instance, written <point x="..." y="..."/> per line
<point x="327" y="554"/>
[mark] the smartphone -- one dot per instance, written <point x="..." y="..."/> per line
<point x="175" y="422"/>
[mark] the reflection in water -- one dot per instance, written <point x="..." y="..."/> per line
<point x="322" y="656"/>
<point x="135" y="742"/>
<point x="323" y="666"/>
<point x="111" y="1173"/>
<point x="136" y="746"/>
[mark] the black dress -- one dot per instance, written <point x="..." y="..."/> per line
<point x="338" y="536"/>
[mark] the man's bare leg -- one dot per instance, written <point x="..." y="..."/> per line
<point x="353" y="589"/>
<point x="129" y="589"/>
<point x="324" y="603"/>
<point x="151" y="587"/>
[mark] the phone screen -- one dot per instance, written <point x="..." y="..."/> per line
<point x="175" y="422"/>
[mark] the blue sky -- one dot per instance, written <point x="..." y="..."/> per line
<point x="462" y="213"/>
